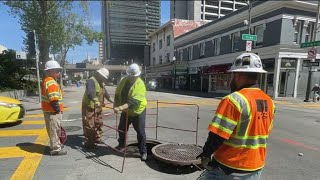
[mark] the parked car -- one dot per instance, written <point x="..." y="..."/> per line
<point x="152" y="85"/>
<point x="11" y="110"/>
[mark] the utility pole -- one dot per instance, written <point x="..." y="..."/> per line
<point x="314" y="37"/>
<point x="37" y="65"/>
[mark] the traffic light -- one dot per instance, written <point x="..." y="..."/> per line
<point x="31" y="44"/>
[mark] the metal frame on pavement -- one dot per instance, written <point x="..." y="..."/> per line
<point x="153" y="127"/>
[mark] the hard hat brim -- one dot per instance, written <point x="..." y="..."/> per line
<point x="46" y="69"/>
<point x="106" y="77"/>
<point x="253" y="70"/>
<point x="138" y="74"/>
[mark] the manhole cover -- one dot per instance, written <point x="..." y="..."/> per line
<point x="177" y="154"/>
<point x="71" y="128"/>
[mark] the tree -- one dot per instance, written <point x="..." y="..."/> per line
<point x="57" y="27"/>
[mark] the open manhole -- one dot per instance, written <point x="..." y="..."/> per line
<point x="132" y="147"/>
<point x="177" y="154"/>
<point x="72" y="128"/>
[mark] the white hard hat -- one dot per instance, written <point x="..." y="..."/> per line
<point x="103" y="72"/>
<point x="134" y="70"/>
<point x="247" y="62"/>
<point x="52" y="64"/>
<point x="316" y="85"/>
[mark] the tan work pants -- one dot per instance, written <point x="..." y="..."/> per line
<point x="92" y="124"/>
<point x="53" y="126"/>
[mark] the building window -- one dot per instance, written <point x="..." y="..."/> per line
<point x="190" y="53"/>
<point x="235" y="41"/>
<point x="297" y="32"/>
<point x="216" y="43"/>
<point x="309" y="32"/>
<point x="154" y="61"/>
<point x="168" y="40"/>
<point x="154" y="47"/>
<point x="202" y="48"/>
<point x="259" y="31"/>
<point x="168" y="57"/>
<point x="160" y="59"/>
<point x="181" y="55"/>
<point x="160" y="44"/>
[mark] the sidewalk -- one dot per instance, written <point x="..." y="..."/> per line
<point x="194" y="93"/>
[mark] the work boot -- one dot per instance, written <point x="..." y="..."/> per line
<point x="58" y="153"/>
<point x="144" y="157"/>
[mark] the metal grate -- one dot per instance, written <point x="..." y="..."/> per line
<point x="178" y="154"/>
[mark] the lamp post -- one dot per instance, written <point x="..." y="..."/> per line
<point x="175" y="72"/>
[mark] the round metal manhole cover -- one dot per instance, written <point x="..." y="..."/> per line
<point x="71" y="128"/>
<point x="177" y="154"/>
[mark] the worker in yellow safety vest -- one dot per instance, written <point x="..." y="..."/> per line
<point x="52" y="106"/>
<point x="92" y="102"/>
<point x="238" y="133"/>
<point x="130" y="98"/>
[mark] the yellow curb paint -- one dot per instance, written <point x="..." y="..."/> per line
<point x="29" y="122"/>
<point x="29" y="132"/>
<point x="33" y="115"/>
<point x="30" y="163"/>
<point x="12" y="152"/>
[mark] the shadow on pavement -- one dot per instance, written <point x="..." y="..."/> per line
<point x="76" y="142"/>
<point x="34" y="148"/>
<point x="10" y="124"/>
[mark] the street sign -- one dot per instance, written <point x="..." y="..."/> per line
<point x="310" y="44"/>
<point x="248" y="45"/>
<point x="249" y="37"/>
<point x="309" y="64"/>
<point x="288" y="63"/>
<point x="21" y="55"/>
<point x="312" y="53"/>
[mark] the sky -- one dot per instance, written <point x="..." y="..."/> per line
<point x="11" y="35"/>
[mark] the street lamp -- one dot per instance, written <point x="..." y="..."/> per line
<point x="175" y="72"/>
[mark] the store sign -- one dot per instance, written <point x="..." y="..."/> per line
<point x="288" y="63"/>
<point x="165" y="73"/>
<point x="193" y="70"/>
<point x="181" y="68"/>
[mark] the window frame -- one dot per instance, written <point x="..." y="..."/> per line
<point x="235" y="41"/>
<point x="217" y="42"/>
<point x="160" y="44"/>
<point x="297" y="34"/>
<point x="168" y="40"/>
<point x="160" y="59"/>
<point x="259" y="43"/>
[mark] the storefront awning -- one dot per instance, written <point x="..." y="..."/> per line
<point x="220" y="68"/>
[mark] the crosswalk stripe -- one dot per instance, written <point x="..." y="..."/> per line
<point x="29" y="122"/>
<point x="28" y="132"/>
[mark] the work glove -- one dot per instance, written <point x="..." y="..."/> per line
<point x="204" y="161"/>
<point x="111" y="100"/>
<point x="96" y="102"/>
<point x="120" y="108"/>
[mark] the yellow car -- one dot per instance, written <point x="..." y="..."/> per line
<point x="11" y="110"/>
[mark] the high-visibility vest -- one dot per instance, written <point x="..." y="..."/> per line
<point x="99" y="94"/>
<point x="50" y="91"/>
<point x="136" y="92"/>
<point x="244" y="118"/>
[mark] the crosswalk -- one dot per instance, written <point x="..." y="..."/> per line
<point x="31" y="152"/>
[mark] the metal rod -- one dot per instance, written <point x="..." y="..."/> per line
<point x="157" y="120"/>
<point x="310" y="69"/>
<point x="125" y="141"/>
<point x="177" y="129"/>
<point x="197" y="128"/>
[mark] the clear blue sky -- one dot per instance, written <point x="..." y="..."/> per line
<point x="12" y="36"/>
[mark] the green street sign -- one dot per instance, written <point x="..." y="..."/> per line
<point x="249" y="37"/>
<point x="310" y="44"/>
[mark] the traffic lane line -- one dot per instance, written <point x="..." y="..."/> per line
<point x="29" y="132"/>
<point x="30" y="163"/>
<point x="12" y="152"/>
<point x="295" y="143"/>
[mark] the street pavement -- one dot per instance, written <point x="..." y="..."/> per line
<point x="293" y="147"/>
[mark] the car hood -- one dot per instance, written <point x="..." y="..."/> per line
<point x="9" y="100"/>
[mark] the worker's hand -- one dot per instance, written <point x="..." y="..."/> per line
<point x="97" y="104"/>
<point x="116" y="109"/>
<point x="111" y="100"/>
<point x="205" y="161"/>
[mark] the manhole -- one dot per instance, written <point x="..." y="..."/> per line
<point x="177" y="154"/>
<point x="71" y="128"/>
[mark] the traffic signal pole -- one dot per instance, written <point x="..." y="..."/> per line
<point x="37" y="65"/>
<point x="316" y="26"/>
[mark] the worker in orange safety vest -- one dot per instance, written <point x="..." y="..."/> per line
<point x="52" y="106"/>
<point x="237" y="142"/>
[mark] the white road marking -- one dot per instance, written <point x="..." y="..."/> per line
<point x="70" y="120"/>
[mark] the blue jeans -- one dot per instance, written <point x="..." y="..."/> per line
<point x="218" y="174"/>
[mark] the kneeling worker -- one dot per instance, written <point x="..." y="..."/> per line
<point x="131" y="96"/>
<point x="92" y="107"/>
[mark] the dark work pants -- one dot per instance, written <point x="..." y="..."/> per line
<point x="138" y="123"/>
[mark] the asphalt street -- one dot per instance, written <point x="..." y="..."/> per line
<point x="293" y="147"/>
